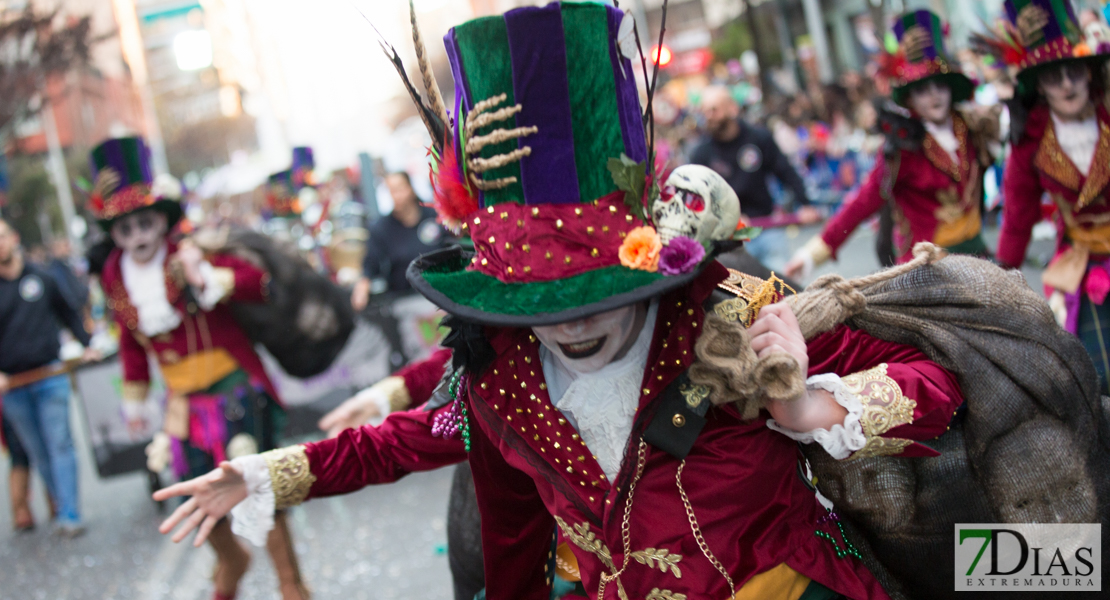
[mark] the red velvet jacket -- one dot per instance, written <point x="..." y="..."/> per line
<point x="1037" y="165"/>
<point x="937" y="201"/>
<point x="741" y="478"/>
<point x="205" y="330"/>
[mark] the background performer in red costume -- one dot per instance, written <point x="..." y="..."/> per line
<point x="931" y="169"/>
<point x="1063" y="150"/>
<point x="170" y="302"/>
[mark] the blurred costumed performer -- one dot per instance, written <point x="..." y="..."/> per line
<point x="171" y="302"/>
<point x="1061" y="146"/>
<point x="930" y="172"/>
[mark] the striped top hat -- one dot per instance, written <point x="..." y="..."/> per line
<point x="123" y="180"/>
<point x="1042" y="33"/>
<point x="283" y="188"/>
<point x="545" y="170"/>
<point x="921" y="56"/>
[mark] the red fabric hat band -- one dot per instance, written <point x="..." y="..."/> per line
<point x="122" y="201"/>
<point x="522" y="244"/>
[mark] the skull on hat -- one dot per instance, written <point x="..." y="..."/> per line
<point x="696" y="203"/>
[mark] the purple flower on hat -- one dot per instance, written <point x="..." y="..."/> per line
<point x="680" y="256"/>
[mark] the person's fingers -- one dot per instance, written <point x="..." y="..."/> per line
<point x="182" y="511"/>
<point x="185" y="488"/>
<point x="773" y="348"/>
<point x="793" y="268"/>
<point x="768" y="339"/>
<point x="229" y="469"/>
<point x="766" y="321"/>
<point x="190" y="524"/>
<point x="784" y="312"/>
<point x="336" y="415"/>
<point x="205" y="528"/>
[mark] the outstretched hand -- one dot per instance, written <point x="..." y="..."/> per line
<point x="355" y="411"/>
<point x="213" y="497"/>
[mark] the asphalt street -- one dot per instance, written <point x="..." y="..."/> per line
<point x="383" y="542"/>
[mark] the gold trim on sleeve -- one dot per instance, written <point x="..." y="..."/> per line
<point x="394" y="388"/>
<point x="884" y="408"/>
<point x="135" y="391"/>
<point x="290" y="475"/>
<point x="818" y="250"/>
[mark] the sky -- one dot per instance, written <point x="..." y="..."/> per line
<point x="340" y="90"/>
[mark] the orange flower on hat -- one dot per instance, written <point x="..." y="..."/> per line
<point x="640" y="249"/>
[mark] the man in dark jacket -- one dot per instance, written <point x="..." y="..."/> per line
<point x="396" y="240"/>
<point x="745" y="155"/>
<point x="31" y="305"/>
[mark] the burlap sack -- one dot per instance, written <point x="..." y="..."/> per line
<point x="1032" y="447"/>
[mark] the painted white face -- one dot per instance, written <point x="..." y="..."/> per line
<point x="931" y="100"/>
<point x="140" y="234"/>
<point x="587" y="345"/>
<point x="1066" y="87"/>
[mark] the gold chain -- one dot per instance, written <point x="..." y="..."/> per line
<point x="641" y="458"/>
<point x="697" y="532"/>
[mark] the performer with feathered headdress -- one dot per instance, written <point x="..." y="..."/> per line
<point x="930" y="173"/>
<point x="1061" y="146"/>
<point x="171" y="303"/>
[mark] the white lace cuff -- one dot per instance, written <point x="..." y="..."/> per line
<point x="381" y="401"/>
<point x="253" y="518"/>
<point x="842" y="440"/>
<point x="216" y="286"/>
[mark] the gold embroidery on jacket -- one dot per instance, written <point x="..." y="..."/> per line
<point x="658" y="594"/>
<point x="655" y="558"/>
<point x="1099" y="175"/>
<point x="884" y="408"/>
<point x="290" y="475"/>
<point x="694" y="394"/>
<point x="1052" y="161"/>
<point x="660" y="558"/>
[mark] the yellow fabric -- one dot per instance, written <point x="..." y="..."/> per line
<point x="198" y="371"/>
<point x="1096" y="239"/>
<point x="959" y="230"/>
<point x="566" y="564"/>
<point x="778" y="583"/>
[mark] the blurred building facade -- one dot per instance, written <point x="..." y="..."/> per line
<point x="92" y="104"/>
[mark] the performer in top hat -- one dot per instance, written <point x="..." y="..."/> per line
<point x="284" y="187"/>
<point x="171" y="302"/>
<point x="587" y="338"/>
<point x="1061" y="146"/>
<point x="930" y="172"/>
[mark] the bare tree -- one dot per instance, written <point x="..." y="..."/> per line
<point x="33" y="46"/>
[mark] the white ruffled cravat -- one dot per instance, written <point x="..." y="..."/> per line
<point x="1078" y="140"/>
<point x="146" y="288"/>
<point x="601" y="405"/>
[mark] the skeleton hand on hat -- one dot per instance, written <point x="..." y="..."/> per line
<point x="479" y="117"/>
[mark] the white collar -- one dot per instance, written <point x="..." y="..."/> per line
<point x="601" y="405"/>
<point x="1078" y="140"/>
<point x="146" y="289"/>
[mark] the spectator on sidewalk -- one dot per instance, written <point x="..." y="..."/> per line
<point x="745" y="155"/>
<point x="397" y="239"/>
<point x="30" y="308"/>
